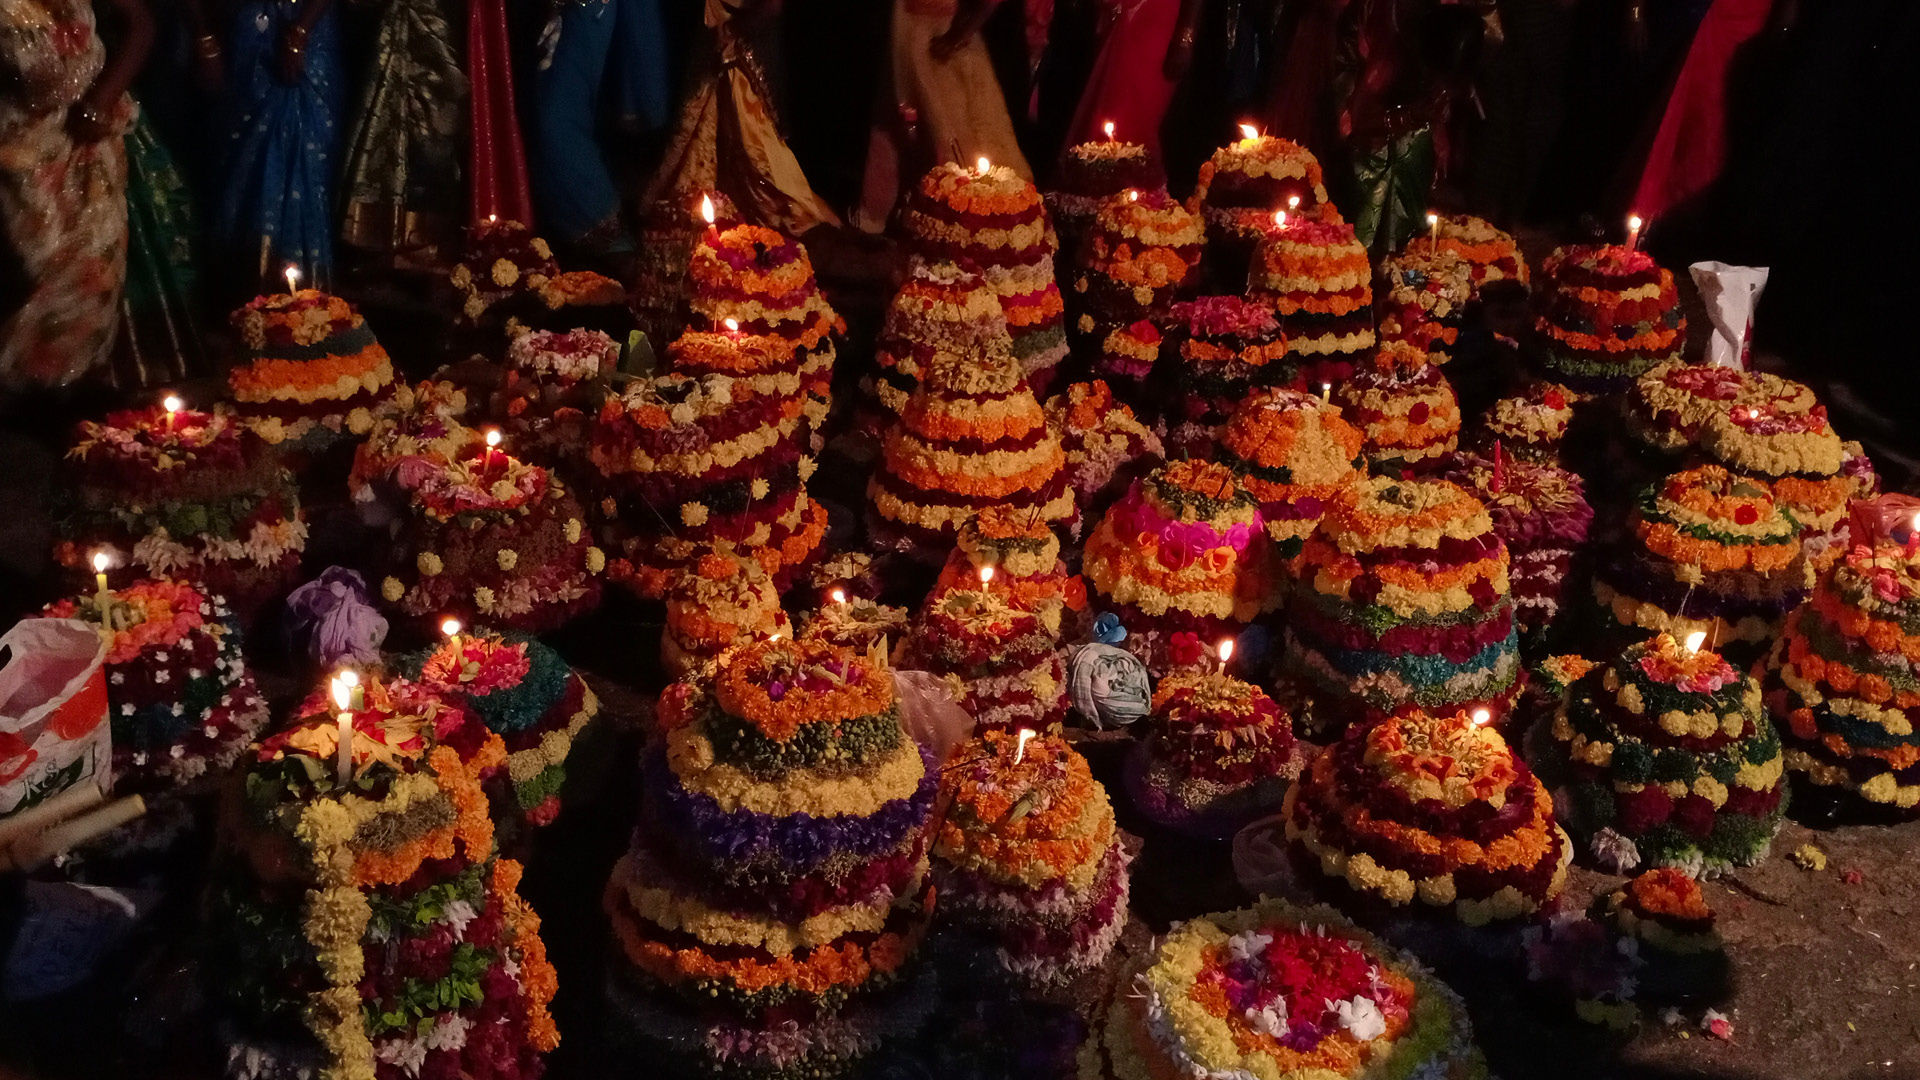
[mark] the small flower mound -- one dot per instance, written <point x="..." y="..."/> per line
<point x="1219" y="754"/>
<point x="1228" y="346"/>
<point x="723" y="602"/>
<point x="1528" y="425"/>
<point x="1107" y="447"/>
<point x="1540" y="511"/>
<point x="1667" y="760"/>
<point x="943" y="310"/>
<point x="1001" y="656"/>
<point x="1800" y="457"/>
<point x="1610" y="316"/>
<point x="312" y="373"/>
<point x="1295" y="453"/>
<point x="1433" y="809"/>
<point x="1405" y="409"/>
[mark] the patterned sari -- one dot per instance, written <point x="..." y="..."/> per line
<point x="63" y="209"/>
<point x="405" y="167"/>
<point x="163" y="281"/>
<point x="282" y="147"/>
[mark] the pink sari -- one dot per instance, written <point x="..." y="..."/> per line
<point x="1127" y="85"/>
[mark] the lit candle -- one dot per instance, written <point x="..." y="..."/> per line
<point x="1913" y="532"/>
<point x="172" y="404"/>
<point x="101" y="560"/>
<point x="1293" y="202"/>
<point x="986" y="579"/>
<point x="493" y="449"/>
<point x="1326" y="391"/>
<point x="775" y="636"/>
<point x="732" y="325"/>
<point x="1248" y="135"/>
<point x="1433" y="227"/>
<point x="1280" y="219"/>
<point x="1132" y="195"/>
<point x="1108" y="128"/>
<point x="982" y="165"/>
<point x="492" y="218"/>
<point x="293" y="279"/>
<point x="1020" y="746"/>
<point x="1695" y="640"/>
<point x="352" y="680"/>
<point x="1481" y="718"/>
<point x="839" y="596"/>
<point x="1633" y="232"/>
<point x="343" y="736"/>
<point x="1226" y="653"/>
<point x="451" y="628"/>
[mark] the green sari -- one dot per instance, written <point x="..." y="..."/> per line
<point x="163" y="283"/>
<point x="404" y="181"/>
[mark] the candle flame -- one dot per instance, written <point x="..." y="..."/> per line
<point x="1108" y="128"/>
<point x="1020" y="747"/>
<point x="1226" y="651"/>
<point x="1248" y="131"/>
<point x="293" y="278"/>
<point x="1132" y="195"/>
<point x="1326" y="391"/>
<point x="1293" y="202"/>
<point x="342" y="693"/>
<point x="1633" y="222"/>
<point x="101" y="560"/>
<point x="706" y="208"/>
<point x="450" y="627"/>
<point x="493" y="437"/>
<point x="839" y="596"/>
<point x="493" y="219"/>
<point x="986" y="575"/>
<point x="775" y="636"/>
<point x="1481" y="717"/>
<point x="983" y="165"/>
<point x="733" y="326"/>
<point x="1279" y="219"/>
<point x="1695" y="640"/>
<point x="1916" y="520"/>
<point x="172" y="403"/>
<point x="1433" y="219"/>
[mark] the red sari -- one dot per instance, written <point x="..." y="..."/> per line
<point x="1689" y="147"/>
<point x="499" y="184"/>
<point x="1128" y="85"/>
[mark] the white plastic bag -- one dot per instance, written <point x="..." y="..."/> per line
<point x="930" y="714"/>
<point x="54" y="733"/>
<point x="1731" y="293"/>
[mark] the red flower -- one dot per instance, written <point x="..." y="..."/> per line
<point x="1642" y="810"/>
<point x="1746" y="515"/>
<point x="1418" y="414"/>
<point x="1555" y="399"/>
<point x="1694" y="816"/>
<point x="1184" y="649"/>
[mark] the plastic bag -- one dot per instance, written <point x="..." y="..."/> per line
<point x="930" y="714"/>
<point x="53" y="711"/>
<point x="1730" y="294"/>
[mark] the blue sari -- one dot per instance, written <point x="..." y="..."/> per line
<point x="282" y="145"/>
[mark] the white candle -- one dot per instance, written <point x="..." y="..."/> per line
<point x="451" y="628"/>
<point x="1108" y="128"/>
<point x="1326" y="391"/>
<point x="986" y="579"/>
<point x="1020" y="746"/>
<point x="293" y="279"/>
<point x="1433" y="226"/>
<point x="1226" y="653"/>
<point x="101" y="560"/>
<point x="343" y="734"/>
<point x="172" y="404"/>
<point x="1633" y="232"/>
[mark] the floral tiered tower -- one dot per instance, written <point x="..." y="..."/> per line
<point x="1841" y="682"/>
<point x="943" y="310"/>
<point x="688" y="464"/>
<point x="1611" y="314"/>
<point x="990" y="216"/>
<point x="1278" y="991"/>
<point x="1242" y="186"/>
<point x="363" y="925"/>
<point x="1799" y="457"/>
<point x="721" y="602"/>
<point x="1492" y="255"/>
<point x="312" y="369"/>
<point x="972" y="436"/>
<point x="1107" y="447"/>
<point x="1709" y="551"/>
<point x="1405" y="409"/>
<point x="1667" y="760"/>
<point x="1540" y="511"/>
<point x="1028" y="857"/>
<point x="1528" y="424"/>
<point x="1423" y="299"/>
<point x="1002" y="660"/>
<point x="1186" y="550"/>
<point x="1294" y="453"/>
<point x="188" y="495"/>
<point x="1218" y="754"/>
<point x="1142" y="253"/>
<point x="1227" y="347"/>
<point x="1403" y="604"/>
<point x="492" y="539"/>
<point x="767" y="913"/>
<point x="1434" y="809"/>
<point x="1017" y="555"/>
<point x="1317" y="278"/>
<point x="1090" y="174"/>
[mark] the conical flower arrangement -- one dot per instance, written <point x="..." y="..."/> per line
<point x="1294" y="453"/>
<point x="943" y="310"/>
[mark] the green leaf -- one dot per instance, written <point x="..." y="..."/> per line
<point x="1393" y="179"/>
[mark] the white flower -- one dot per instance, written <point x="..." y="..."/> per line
<point x="160" y="676"/>
<point x="1271" y="1020"/>
<point x="1361" y="1017"/>
<point x="1248" y="945"/>
<point x="458" y="914"/>
<point x="408" y="1054"/>
<point x="450" y="1033"/>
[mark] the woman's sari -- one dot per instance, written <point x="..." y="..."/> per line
<point x="1128" y="85"/>
<point x="283" y="146"/>
<point x="405" y="163"/>
<point x="163" y="279"/>
<point x="729" y="141"/>
<point x="499" y="185"/>
<point x="63" y="208"/>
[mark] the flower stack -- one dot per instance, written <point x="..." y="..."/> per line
<point x="971" y="436"/>
<point x="1708" y="551"/>
<point x="180" y="700"/>
<point x="1107" y="447"/>
<point x="1280" y="991"/>
<point x="1664" y="913"/>
<point x="995" y="219"/>
<point x="1142" y="253"/>
<point x="554" y="385"/>
<point x="1434" y="809"/>
<point x="669" y="230"/>
<point x="1540" y="512"/>
<point x="767" y="913"/>
<point x="943" y="310"/>
<point x="1403" y="604"/>
<point x="722" y="602"/>
<point x="1667" y="760"/>
<point x="857" y="623"/>
<point x="1125" y="359"/>
<point x="492" y="539"/>
<point x="1799" y="457"/>
<point x="1002" y="660"/>
<point x="1668" y="408"/>
<point x="1528" y="425"/>
<point x="1610" y="315"/>
<point x="522" y="691"/>
<point x="311" y="372"/>
<point x="1185" y="551"/>
<point x="372" y="919"/>
<point x="1293" y="453"/>
<point x="189" y="495"/>
<point x="501" y="259"/>
<point x="1405" y="408"/>
<point x="1228" y="346"/>
<point x="1241" y="187"/>
<point x="754" y="288"/>
<point x="1028" y="859"/>
<point x="688" y="464"/>
<point x="1319" y="281"/>
<point x="1423" y="299"/>
<point x="1090" y="174"/>
<point x="1018" y="556"/>
<point x="1840" y="682"/>
<point x="1492" y="255"/>
<point x="1218" y="754"/>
